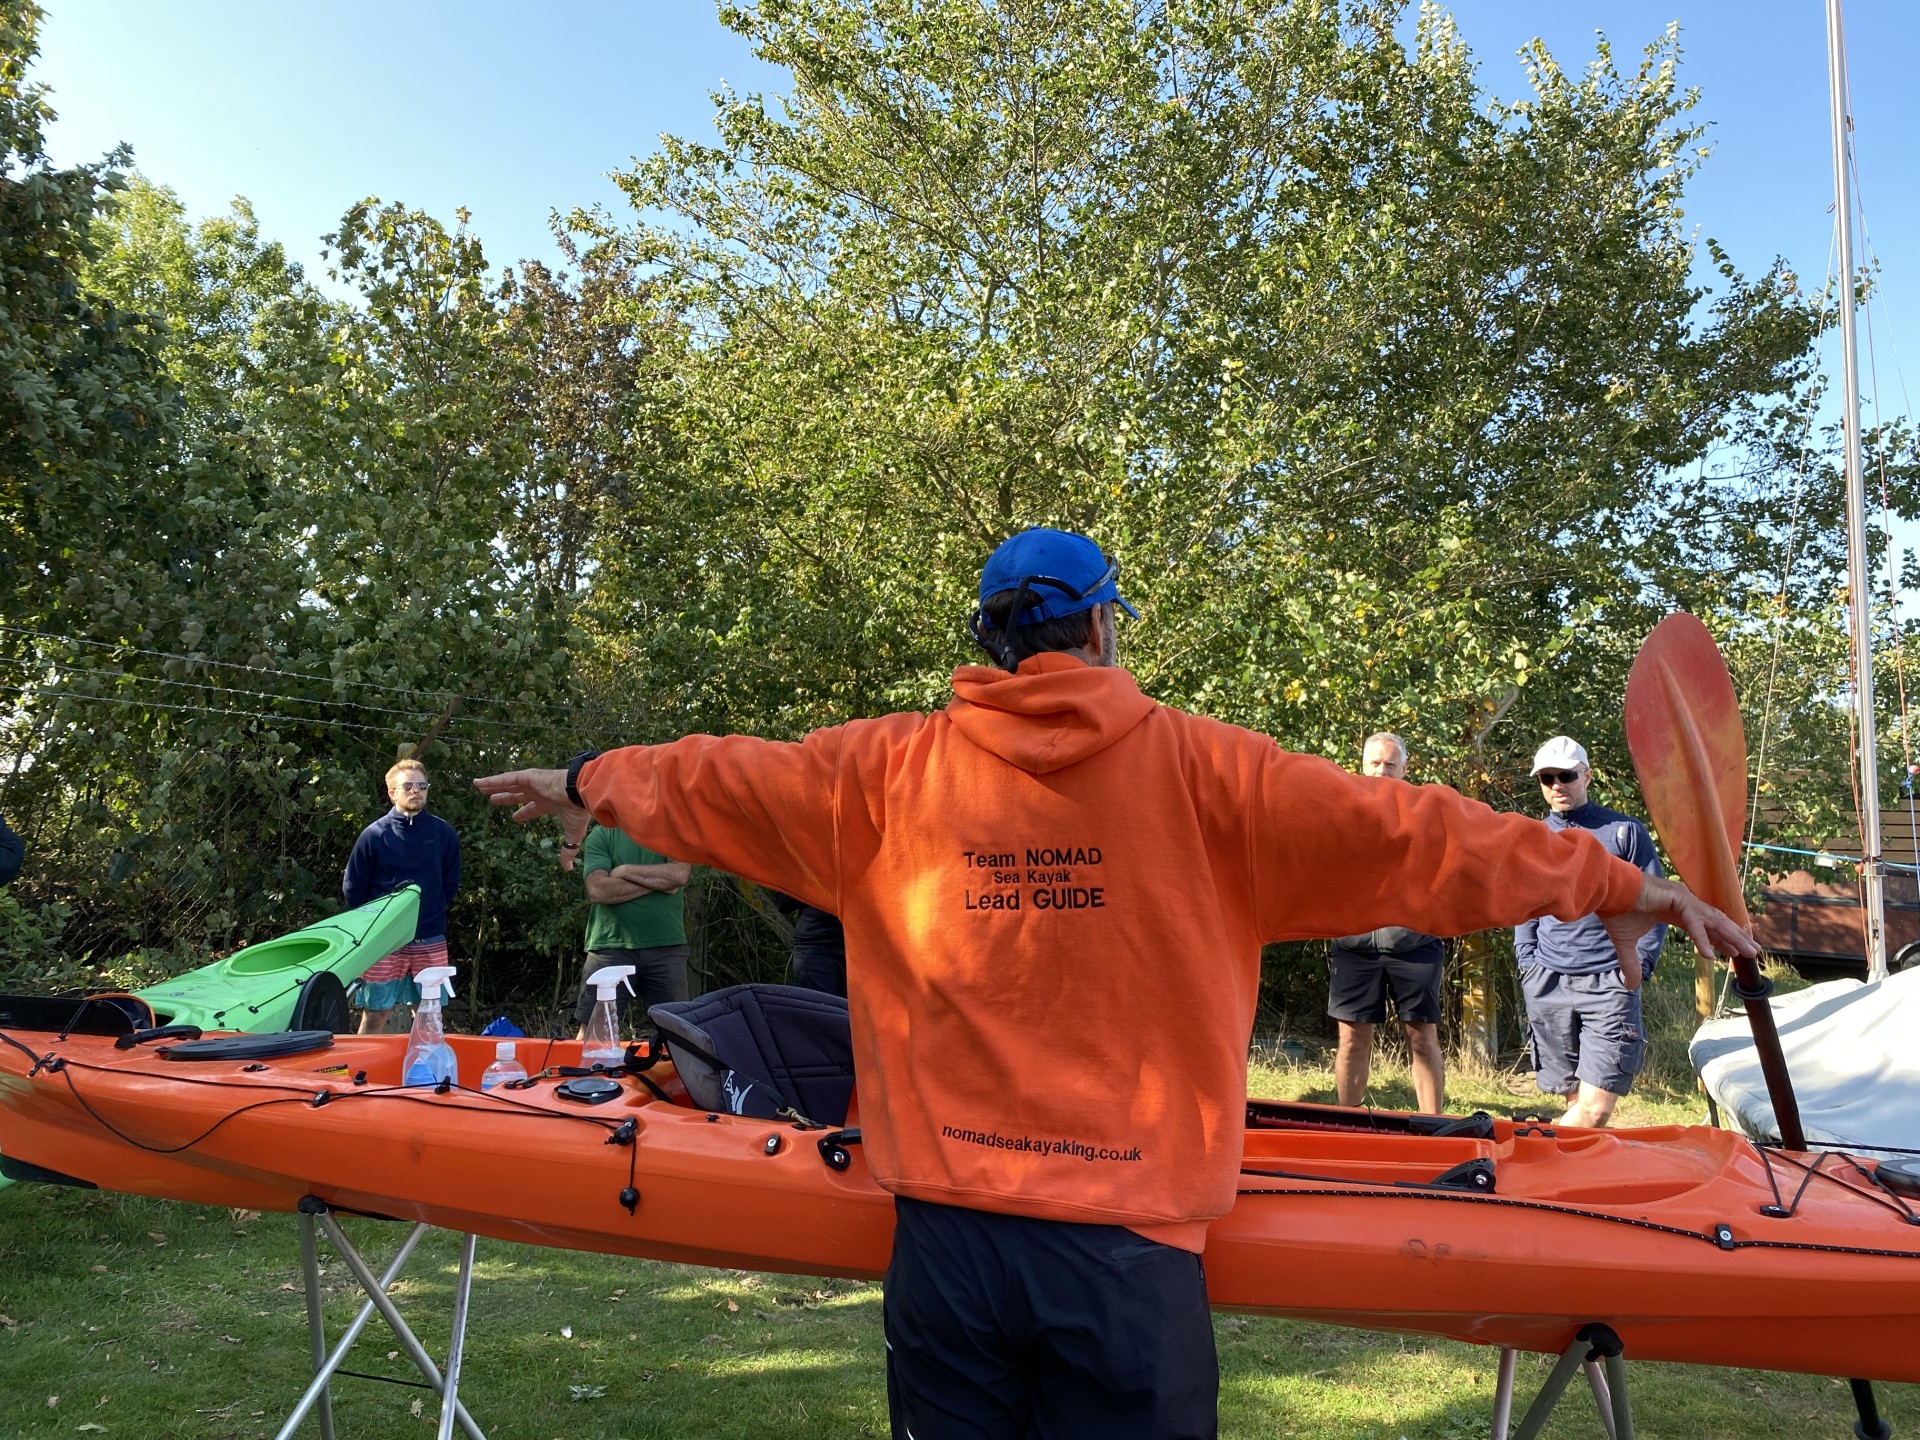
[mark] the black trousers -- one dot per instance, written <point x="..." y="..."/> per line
<point x="1001" y="1327"/>
<point x="821" y="967"/>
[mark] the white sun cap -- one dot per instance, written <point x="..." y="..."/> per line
<point x="1559" y="753"/>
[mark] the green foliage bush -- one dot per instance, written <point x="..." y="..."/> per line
<point x="1401" y="405"/>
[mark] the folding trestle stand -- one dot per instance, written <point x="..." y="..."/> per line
<point x="326" y="1364"/>
<point x="1598" y="1351"/>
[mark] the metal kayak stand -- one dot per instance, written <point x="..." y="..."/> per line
<point x="326" y="1364"/>
<point x="1598" y="1351"/>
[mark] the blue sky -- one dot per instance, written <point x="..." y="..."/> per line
<point x="514" y="111"/>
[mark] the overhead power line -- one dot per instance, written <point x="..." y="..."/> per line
<point x="225" y="689"/>
<point x="131" y="649"/>
<point x="83" y="698"/>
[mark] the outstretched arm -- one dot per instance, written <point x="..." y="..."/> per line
<point x="764" y="809"/>
<point x="1361" y="852"/>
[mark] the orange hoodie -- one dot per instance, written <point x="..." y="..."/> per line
<point x="1055" y="892"/>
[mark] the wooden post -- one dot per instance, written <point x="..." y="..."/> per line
<point x="1479" y="1019"/>
<point x="1479" y="1000"/>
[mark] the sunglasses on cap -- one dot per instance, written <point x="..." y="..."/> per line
<point x="1557" y="777"/>
<point x="1073" y="592"/>
<point x="1025" y="591"/>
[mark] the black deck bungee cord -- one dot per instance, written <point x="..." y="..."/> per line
<point x="1720" y="1239"/>
<point x="1879" y="1194"/>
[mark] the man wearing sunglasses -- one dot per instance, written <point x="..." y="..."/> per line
<point x="1582" y="995"/>
<point x="405" y="846"/>
<point x="1055" y="891"/>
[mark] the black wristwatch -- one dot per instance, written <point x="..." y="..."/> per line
<point x="574" y="767"/>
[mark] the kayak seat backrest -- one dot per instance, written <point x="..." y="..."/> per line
<point x="73" y="1014"/>
<point x="761" y="1050"/>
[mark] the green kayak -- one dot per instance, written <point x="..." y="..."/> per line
<point x="295" y="982"/>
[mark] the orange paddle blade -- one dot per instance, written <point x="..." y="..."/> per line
<point x="1690" y="751"/>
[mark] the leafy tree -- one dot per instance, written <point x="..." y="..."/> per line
<point x="314" y="576"/>
<point x="1399" y="403"/>
<point x="84" y="398"/>
<point x="1379" y="388"/>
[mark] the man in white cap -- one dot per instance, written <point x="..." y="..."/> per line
<point x="1583" y="992"/>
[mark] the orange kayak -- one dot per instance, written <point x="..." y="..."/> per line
<point x="1691" y="1243"/>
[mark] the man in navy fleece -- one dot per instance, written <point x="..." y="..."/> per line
<point x="1584" y="1012"/>
<point x="404" y="846"/>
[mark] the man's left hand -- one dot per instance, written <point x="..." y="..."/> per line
<point x="1665" y="902"/>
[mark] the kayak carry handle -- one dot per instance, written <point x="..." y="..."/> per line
<point x="157" y="1032"/>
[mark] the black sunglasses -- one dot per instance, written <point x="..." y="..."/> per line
<point x="1558" y="777"/>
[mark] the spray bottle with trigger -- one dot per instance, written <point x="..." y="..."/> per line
<point x="429" y="1057"/>
<point x="600" y="1045"/>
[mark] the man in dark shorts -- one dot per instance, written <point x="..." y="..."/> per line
<point x="1363" y="968"/>
<point x="1582" y="1006"/>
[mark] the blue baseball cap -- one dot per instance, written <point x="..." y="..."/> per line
<point x="1067" y="572"/>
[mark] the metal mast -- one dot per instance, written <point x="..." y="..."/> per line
<point x="1860" y="594"/>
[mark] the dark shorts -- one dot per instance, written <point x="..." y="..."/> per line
<point x="1357" y="988"/>
<point x="659" y="975"/>
<point x="1585" y="1027"/>
<point x="1001" y="1327"/>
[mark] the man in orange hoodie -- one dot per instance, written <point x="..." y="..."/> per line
<point x="1055" y="891"/>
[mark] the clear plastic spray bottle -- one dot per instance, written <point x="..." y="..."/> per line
<point x="429" y="1057"/>
<point x="601" y="1043"/>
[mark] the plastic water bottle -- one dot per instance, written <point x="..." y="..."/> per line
<point x="503" y="1068"/>
<point x="601" y="1043"/>
<point x="429" y="1057"/>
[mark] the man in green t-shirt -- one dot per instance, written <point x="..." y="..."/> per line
<point x="636" y="917"/>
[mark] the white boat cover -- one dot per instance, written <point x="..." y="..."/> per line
<point x="1851" y="1053"/>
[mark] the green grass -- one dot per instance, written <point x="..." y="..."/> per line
<point x="148" y="1319"/>
<point x="154" y="1319"/>
<point x="128" y="1317"/>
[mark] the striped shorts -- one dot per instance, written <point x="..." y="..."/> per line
<point x="389" y="981"/>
